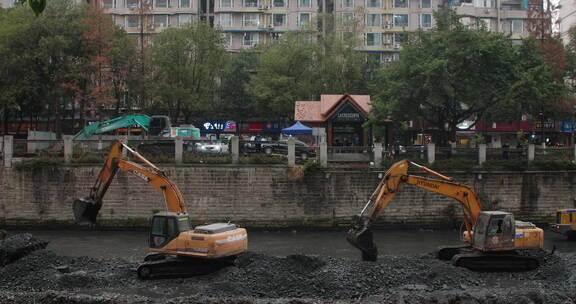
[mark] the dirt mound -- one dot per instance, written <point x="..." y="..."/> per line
<point x="45" y="277"/>
<point x="17" y="246"/>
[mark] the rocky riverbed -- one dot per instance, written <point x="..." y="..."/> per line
<point x="45" y="277"/>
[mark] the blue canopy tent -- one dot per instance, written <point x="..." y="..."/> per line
<point x="297" y="129"/>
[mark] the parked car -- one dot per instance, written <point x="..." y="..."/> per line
<point x="253" y="144"/>
<point x="213" y="147"/>
<point x="303" y="150"/>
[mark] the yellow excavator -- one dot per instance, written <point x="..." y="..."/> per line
<point x="565" y="223"/>
<point x="492" y="238"/>
<point x="174" y="247"/>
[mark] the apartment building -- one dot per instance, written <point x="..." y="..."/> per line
<point x="566" y="18"/>
<point x="381" y="25"/>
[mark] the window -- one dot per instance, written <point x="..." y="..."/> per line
<point x="250" y="39"/>
<point x="400" y="3"/>
<point x="108" y="3"/>
<point x="347" y="3"/>
<point x="485" y="22"/>
<point x="279" y="19"/>
<point x="400" y="20"/>
<point x="227" y="40"/>
<point x="426" y="20"/>
<point x="160" y="3"/>
<point x="303" y="3"/>
<point x="303" y="19"/>
<point x="279" y="3"/>
<point x="372" y="3"/>
<point x="184" y="19"/>
<point x="373" y="39"/>
<point x="226" y="3"/>
<point x="483" y="3"/>
<point x="347" y="18"/>
<point x="225" y="20"/>
<point x="184" y="3"/>
<point x="373" y="19"/>
<point x="132" y="3"/>
<point x="250" y="3"/>
<point x="425" y="3"/>
<point x="517" y="26"/>
<point x="465" y="21"/>
<point x="250" y="19"/>
<point x="160" y="21"/>
<point x="132" y="21"/>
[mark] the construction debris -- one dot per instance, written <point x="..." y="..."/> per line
<point x="259" y="278"/>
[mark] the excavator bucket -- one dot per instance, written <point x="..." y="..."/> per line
<point x="86" y="211"/>
<point x="361" y="237"/>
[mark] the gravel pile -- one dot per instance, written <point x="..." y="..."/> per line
<point x="44" y="277"/>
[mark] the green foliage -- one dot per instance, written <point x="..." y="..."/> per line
<point x="310" y="165"/>
<point x="552" y="165"/>
<point x="505" y="165"/>
<point x="297" y="67"/>
<point x="38" y="163"/>
<point x="186" y="62"/>
<point x="203" y="159"/>
<point x="263" y="159"/>
<point x="236" y="102"/>
<point x="454" y="73"/>
<point x="458" y="164"/>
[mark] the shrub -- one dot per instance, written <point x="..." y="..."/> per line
<point x="263" y="159"/>
<point x="552" y="165"/>
<point x="505" y="164"/>
<point x="38" y="163"/>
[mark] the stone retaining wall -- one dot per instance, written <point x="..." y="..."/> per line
<point x="266" y="197"/>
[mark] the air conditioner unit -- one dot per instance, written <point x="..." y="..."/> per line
<point x="387" y="41"/>
<point x="387" y="59"/>
<point x="270" y="26"/>
<point x="396" y="45"/>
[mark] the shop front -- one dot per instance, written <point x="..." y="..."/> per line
<point x="342" y="116"/>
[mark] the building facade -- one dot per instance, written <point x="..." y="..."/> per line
<point x="566" y="18"/>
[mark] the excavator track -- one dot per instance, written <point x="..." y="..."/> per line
<point x="174" y="266"/>
<point x="511" y="262"/>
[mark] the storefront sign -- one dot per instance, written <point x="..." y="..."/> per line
<point x="218" y="126"/>
<point x="348" y="113"/>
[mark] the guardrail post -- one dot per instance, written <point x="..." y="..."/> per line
<point x="31" y="143"/>
<point x="377" y="155"/>
<point x="67" y="147"/>
<point x="531" y="150"/>
<point x="235" y="140"/>
<point x="8" y="150"/>
<point x="291" y="152"/>
<point x="124" y="140"/>
<point x="481" y="154"/>
<point x="323" y="152"/>
<point x="431" y="151"/>
<point x="178" y="149"/>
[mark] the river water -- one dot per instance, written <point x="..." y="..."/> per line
<point x="132" y="245"/>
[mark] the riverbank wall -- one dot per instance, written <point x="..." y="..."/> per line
<point x="271" y="197"/>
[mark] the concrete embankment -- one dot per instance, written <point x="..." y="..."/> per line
<point x="267" y="197"/>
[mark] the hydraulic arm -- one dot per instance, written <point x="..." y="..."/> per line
<point x="86" y="209"/>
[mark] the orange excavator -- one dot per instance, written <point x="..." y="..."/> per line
<point x="175" y="247"/>
<point x="492" y="239"/>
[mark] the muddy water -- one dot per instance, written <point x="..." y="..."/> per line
<point x="133" y="245"/>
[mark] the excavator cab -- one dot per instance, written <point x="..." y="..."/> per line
<point x="166" y="226"/>
<point x="494" y="231"/>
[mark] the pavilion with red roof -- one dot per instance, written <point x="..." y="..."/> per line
<point x="341" y="115"/>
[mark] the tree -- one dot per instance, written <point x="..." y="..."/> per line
<point x="235" y="100"/>
<point x="446" y="76"/>
<point x="187" y="63"/>
<point x="297" y="67"/>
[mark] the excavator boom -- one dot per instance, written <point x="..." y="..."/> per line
<point x="86" y="209"/>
